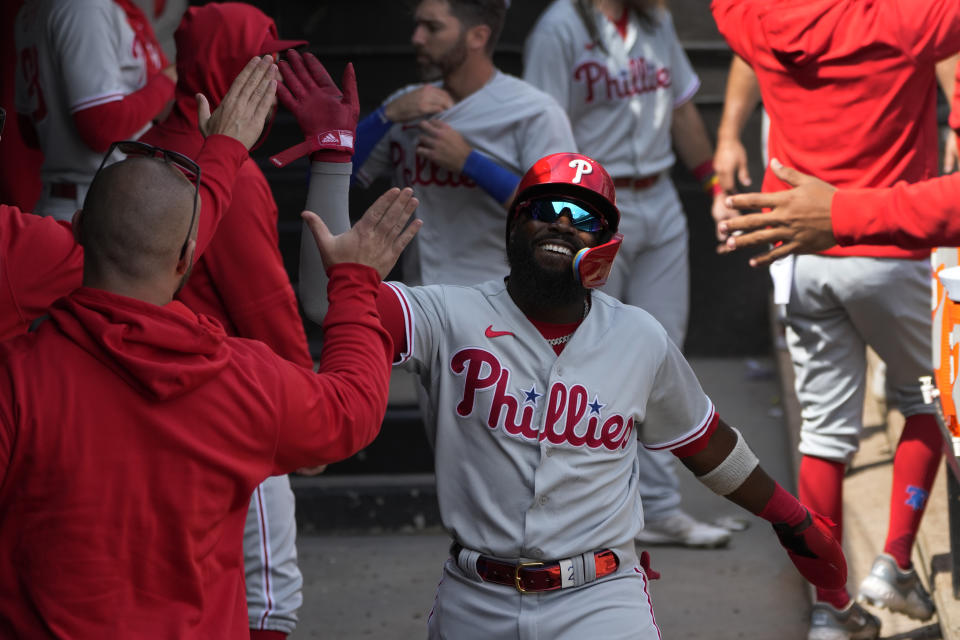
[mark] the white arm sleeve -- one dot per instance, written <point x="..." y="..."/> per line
<point x="328" y="197"/>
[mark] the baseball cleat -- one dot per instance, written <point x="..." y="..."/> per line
<point x="682" y="529"/>
<point x="891" y="588"/>
<point x="851" y="623"/>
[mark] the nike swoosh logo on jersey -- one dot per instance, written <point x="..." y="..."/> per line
<point x="490" y="333"/>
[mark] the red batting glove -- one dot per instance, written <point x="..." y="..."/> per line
<point x="812" y="548"/>
<point x="327" y="118"/>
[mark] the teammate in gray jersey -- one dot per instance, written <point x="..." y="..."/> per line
<point x="536" y="435"/>
<point x="461" y="140"/>
<point x="620" y="72"/>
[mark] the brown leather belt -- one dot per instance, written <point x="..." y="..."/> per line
<point x="534" y="576"/>
<point x="63" y="190"/>
<point x="636" y="183"/>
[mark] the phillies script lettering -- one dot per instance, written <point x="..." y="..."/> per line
<point x="639" y="77"/>
<point x="567" y="406"/>
<point x="424" y="171"/>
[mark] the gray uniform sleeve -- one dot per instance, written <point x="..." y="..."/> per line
<point x="677" y="406"/>
<point x="85" y="35"/>
<point x="328" y="197"/>
<point x="547" y="61"/>
<point x="547" y="132"/>
<point x="685" y="81"/>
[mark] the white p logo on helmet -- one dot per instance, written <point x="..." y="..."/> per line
<point x="583" y="168"/>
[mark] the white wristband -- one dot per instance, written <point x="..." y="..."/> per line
<point x="727" y="476"/>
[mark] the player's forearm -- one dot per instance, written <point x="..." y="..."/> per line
<point x="220" y="158"/>
<point x="921" y="215"/>
<point x="104" y="124"/>
<point x="741" y="99"/>
<point x="689" y="135"/>
<point x="328" y="197"/>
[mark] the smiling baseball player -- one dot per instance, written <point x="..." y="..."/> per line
<point x="535" y="442"/>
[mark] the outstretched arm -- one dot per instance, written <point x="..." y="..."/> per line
<point x="741" y="99"/>
<point x="693" y="146"/>
<point x="724" y="463"/>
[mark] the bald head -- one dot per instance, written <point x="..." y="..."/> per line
<point x="135" y="219"/>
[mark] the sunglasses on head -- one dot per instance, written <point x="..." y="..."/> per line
<point x="549" y="209"/>
<point x="188" y="167"/>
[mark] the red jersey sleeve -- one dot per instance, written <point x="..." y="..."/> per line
<point x="244" y="261"/>
<point x="101" y="125"/>
<point x="220" y="159"/>
<point x="921" y="215"/>
<point x="332" y="414"/>
<point x="40" y="261"/>
<point x="928" y="29"/>
<point x="737" y="21"/>
<point x="394" y="319"/>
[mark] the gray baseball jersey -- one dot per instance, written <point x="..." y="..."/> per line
<point x="621" y="101"/>
<point x="508" y="120"/>
<point x="536" y="455"/>
<point x="73" y="55"/>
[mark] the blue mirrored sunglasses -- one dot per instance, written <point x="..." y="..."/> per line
<point x="549" y="209"/>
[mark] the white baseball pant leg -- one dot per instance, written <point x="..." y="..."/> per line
<point x="652" y="271"/>
<point x="617" y="607"/>
<point x="837" y="307"/>
<point x="273" y="579"/>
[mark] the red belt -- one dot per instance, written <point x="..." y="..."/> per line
<point x="534" y="576"/>
<point x="63" y="190"/>
<point x="636" y="183"/>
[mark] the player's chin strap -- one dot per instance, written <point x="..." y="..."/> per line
<point x="332" y="140"/>
<point x="591" y="266"/>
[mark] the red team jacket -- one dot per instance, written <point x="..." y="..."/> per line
<point x="123" y="496"/>
<point x="40" y="260"/>
<point x="851" y="91"/>
<point x="240" y="280"/>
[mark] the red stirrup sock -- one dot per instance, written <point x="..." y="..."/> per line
<point x="915" y="466"/>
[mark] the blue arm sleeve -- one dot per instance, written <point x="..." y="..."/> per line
<point x="492" y="178"/>
<point x="370" y="131"/>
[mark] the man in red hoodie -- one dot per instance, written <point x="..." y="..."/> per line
<point x="850" y="88"/>
<point x="40" y="259"/>
<point x="122" y="502"/>
<point x="241" y="281"/>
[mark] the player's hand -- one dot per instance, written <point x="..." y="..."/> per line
<point x="244" y="109"/>
<point x="327" y="117"/>
<point x="442" y="144"/>
<point x="814" y="550"/>
<point x="419" y="103"/>
<point x="720" y="212"/>
<point x="730" y="163"/>
<point x="951" y="155"/>
<point x="799" y="218"/>
<point x="376" y="240"/>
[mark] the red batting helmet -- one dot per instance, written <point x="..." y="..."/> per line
<point x="573" y="175"/>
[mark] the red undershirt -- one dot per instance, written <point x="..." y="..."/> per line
<point x="621" y="22"/>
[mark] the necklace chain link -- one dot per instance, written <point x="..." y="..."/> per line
<point x="553" y="342"/>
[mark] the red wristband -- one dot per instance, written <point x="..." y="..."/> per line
<point x="783" y="507"/>
<point x="703" y="170"/>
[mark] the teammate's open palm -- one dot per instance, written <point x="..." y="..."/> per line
<point x="376" y="240"/>
<point x="243" y="111"/>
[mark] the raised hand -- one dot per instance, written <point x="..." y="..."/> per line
<point x="419" y="103"/>
<point x="376" y="240"/>
<point x="243" y="111"/>
<point x="327" y="117"/>
<point x="799" y="218"/>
